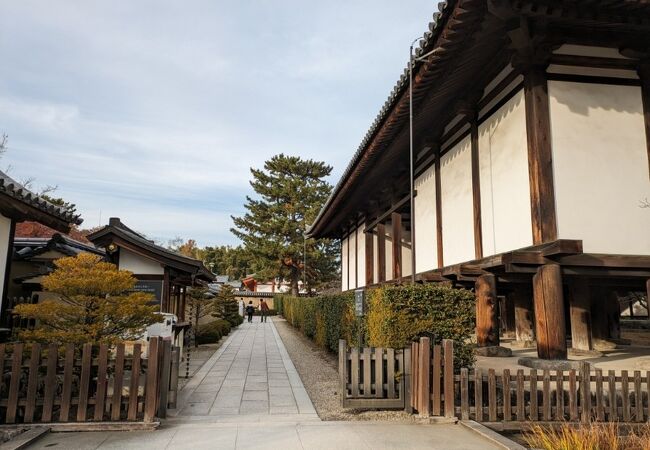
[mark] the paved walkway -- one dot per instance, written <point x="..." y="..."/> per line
<point x="248" y="395"/>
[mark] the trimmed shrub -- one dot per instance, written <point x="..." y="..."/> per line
<point x="399" y="314"/>
<point x="396" y="315"/>
<point x="211" y="332"/>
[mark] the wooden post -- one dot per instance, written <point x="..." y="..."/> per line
<point x="524" y="314"/>
<point x="644" y="74"/>
<point x="476" y="190"/>
<point x="549" y="312"/>
<point x="540" y="164"/>
<point x="425" y="375"/>
<point x="381" y="252"/>
<point x="152" y="383"/>
<point x="165" y="373"/>
<point x="396" y="222"/>
<point x="509" y="313"/>
<point x="406" y="382"/>
<point x="487" y="325"/>
<point x="438" y="210"/>
<point x="599" y="298"/>
<point x="580" y="314"/>
<point x="448" y="347"/>
<point x="370" y="258"/>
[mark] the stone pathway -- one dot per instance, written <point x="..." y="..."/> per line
<point x="248" y="395"/>
<point x="250" y="378"/>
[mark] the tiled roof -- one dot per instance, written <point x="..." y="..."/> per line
<point x="12" y="188"/>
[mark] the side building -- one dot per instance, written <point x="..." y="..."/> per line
<point x="531" y="167"/>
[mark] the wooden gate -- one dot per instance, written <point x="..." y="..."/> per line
<point x="374" y="377"/>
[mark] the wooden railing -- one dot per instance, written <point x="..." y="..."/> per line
<point x="373" y="377"/>
<point x="45" y="384"/>
<point x="487" y="396"/>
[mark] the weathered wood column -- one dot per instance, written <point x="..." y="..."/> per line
<point x="381" y="253"/>
<point x="396" y="235"/>
<point x="580" y="314"/>
<point x="507" y="313"/>
<point x="540" y="155"/>
<point x="487" y="324"/>
<point x="549" y="312"/>
<point x="524" y="315"/>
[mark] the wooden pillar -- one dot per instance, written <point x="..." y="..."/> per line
<point x="164" y="301"/>
<point x="438" y="210"/>
<point x="396" y="222"/>
<point x="549" y="312"/>
<point x="580" y="314"/>
<point x="614" y="315"/>
<point x="370" y="258"/>
<point x="508" y="314"/>
<point x="644" y="74"/>
<point x="540" y="164"/>
<point x="524" y="315"/>
<point x="599" y="327"/>
<point x="183" y="304"/>
<point x="476" y="190"/>
<point x="487" y="324"/>
<point x="381" y="252"/>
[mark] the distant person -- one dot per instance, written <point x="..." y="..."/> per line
<point x="264" y="310"/>
<point x="250" y="309"/>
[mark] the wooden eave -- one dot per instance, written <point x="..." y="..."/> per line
<point x="20" y="211"/>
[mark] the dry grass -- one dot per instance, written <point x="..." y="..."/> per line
<point x="595" y="436"/>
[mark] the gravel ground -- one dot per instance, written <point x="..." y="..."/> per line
<point x="319" y="373"/>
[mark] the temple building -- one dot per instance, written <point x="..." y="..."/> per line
<point x="531" y="131"/>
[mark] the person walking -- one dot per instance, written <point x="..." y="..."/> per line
<point x="264" y="310"/>
<point x="250" y="309"/>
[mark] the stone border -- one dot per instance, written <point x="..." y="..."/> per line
<point x="25" y="439"/>
<point x="491" y="435"/>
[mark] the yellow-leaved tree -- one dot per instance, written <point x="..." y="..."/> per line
<point x="96" y="304"/>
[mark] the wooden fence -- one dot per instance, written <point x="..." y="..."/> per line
<point x="45" y="384"/>
<point x="373" y="377"/>
<point x="532" y="395"/>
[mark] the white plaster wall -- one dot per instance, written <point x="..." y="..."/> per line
<point x="406" y="254"/>
<point x="600" y="165"/>
<point x="138" y="264"/>
<point x="426" y="251"/>
<point x="505" y="187"/>
<point x="457" y="204"/>
<point x="389" y="253"/>
<point x="361" y="252"/>
<point x="353" y="250"/>
<point x="5" y="245"/>
<point x="344" y="264"/>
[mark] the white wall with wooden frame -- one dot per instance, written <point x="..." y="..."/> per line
<point x="344" y="264"/>
<point x="426" y="255"/>
<point x="505" y="188"/>
<point x="361" y="257"/>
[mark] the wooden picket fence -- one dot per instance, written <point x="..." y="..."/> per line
<point x="47" y="384"/>
<point x="373" y="377"/>
<point x="487" y="396"/>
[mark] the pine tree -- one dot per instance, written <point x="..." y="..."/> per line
<point x="96" y="304"/>
<point x="291" y="192"/>
<point x="225" y="306"/>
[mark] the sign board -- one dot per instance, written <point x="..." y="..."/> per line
<point x="153" y="287"/>
<point x="359" y="297"/>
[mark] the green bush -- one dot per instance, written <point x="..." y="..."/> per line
<point x="211" y="332"/>
<point x="235" y="320"/>
<point x="396" y="315"/>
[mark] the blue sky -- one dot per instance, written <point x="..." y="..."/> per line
<point x="154" y="111"/>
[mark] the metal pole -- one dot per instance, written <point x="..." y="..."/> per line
<point x="412" y="161"/>
<point x="304" y="263"/>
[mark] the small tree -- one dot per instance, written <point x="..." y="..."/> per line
<point x="225" y="305"/>
<point x="97" y="304"/>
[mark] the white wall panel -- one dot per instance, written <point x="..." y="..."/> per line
<point x="344" y="264"/>
<point x="505" y="187"/>
<point x="361" y="255"/>
<point x="353" y="254"/>
<point x="406" y="254"/>
<point x="600" y="165"/>
<point x="426" y="251"/>
<point x="457" y="204"/>
<point x="389" y="253"/>
<point x="138" y="264"/>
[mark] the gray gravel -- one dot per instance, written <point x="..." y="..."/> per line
<point x="319" y="373"/>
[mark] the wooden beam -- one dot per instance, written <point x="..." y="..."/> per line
<point x="438" y="210"/>
<point x="381" y="252"/>
<point x="549" y="312"/>
<point x="580" y="314"/>
<point x="396" y="222"/>
<point x="476" y="190"/>
<point x="394" y="207"/>
<point x="370" y="258"/>
<point x="487" y="325"/>
<point x="540" y="165"/>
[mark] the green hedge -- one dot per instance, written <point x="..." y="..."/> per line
<point x="325" y="319"/>
<point x="395" y="316"/>
<point x="209" y="333"/>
